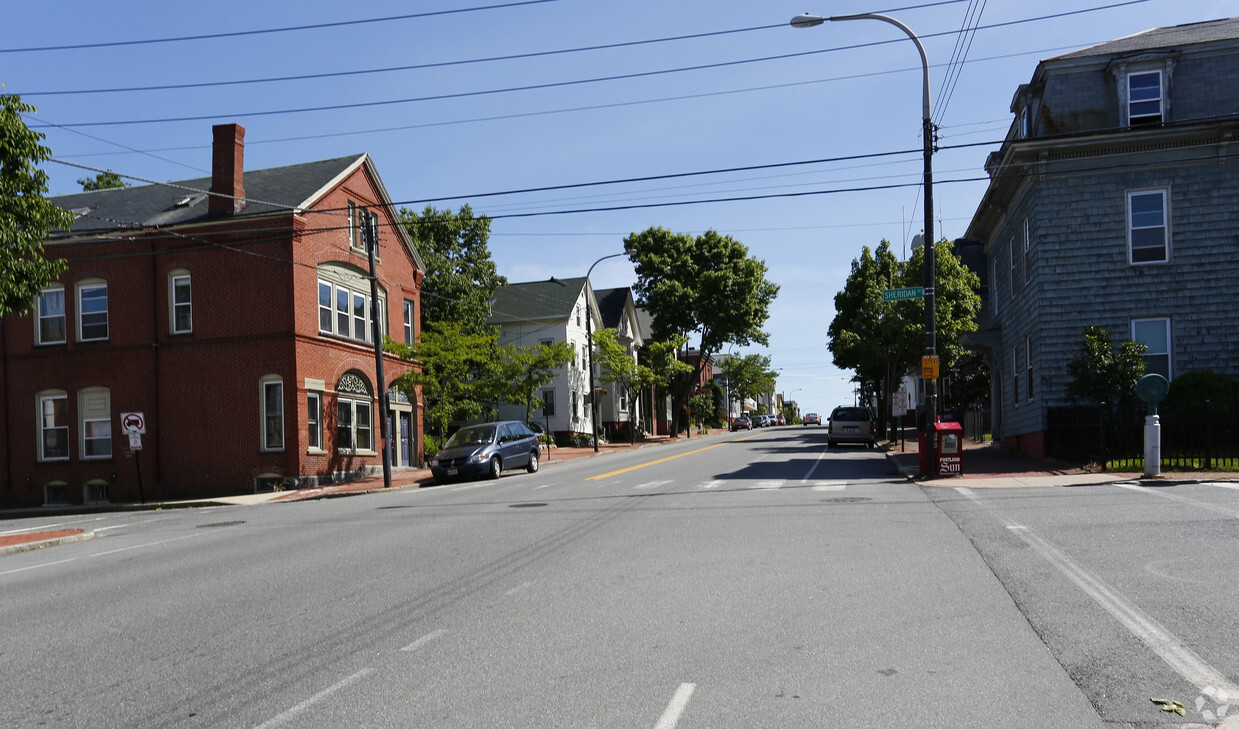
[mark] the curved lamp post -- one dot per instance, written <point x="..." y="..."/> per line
<point x="931" y="348"/>
<point x="589" y="344"/>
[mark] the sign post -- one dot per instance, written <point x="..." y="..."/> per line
<point x="134" y="425"/>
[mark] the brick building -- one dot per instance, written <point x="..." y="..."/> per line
<point x="237" y="322"/>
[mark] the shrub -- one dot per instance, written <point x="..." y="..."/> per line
<point x="1189" y="391"/>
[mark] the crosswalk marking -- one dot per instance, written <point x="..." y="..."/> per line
<point x="710" y="485"/>
<point x="652" y="485"/>
<point x="769" y="484"/>
<point x="826" y="485"/>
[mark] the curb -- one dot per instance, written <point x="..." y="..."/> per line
<point x="40" y="544"/>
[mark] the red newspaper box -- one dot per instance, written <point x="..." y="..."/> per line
<point x="948" y="448"/>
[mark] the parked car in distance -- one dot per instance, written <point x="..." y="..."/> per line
<point x="781" y="419"/>
<point x="759" y="421"/>
<point x="851" y="425"/>
<point x="812" y="419"/>
<point x="741" y="423"/>
<point x="487" y="449"/>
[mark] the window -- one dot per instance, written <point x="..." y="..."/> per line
<point x="576" y="411"/>
<point x="1028" y="360"/>
<point x="548" y="403"/>
<point x="56" y="493"/>
<point x="1024" y="124"/>
<point x="53" y="426"/>
<point x="358" y="233"/>
<point x="50" y="318"/>
<point x="993" y="286"/>
<point x="361" y="332"/>
<point x="1144" y="98"/>
<point x="352" y="311"/>
<point x="325" y="317"/>
<point x="314" y="420"/>
<point x="1148" y="238"/>
<point x="1027" y="253"/>
<point x="354" y="414"/>
<point x="272" y="414"/>
<point x="1155" y="334"/>
<point x="1015" y="376"/>
<point x="353" y="242"/>
<point x="1011" y="273"/>
<point x="94" y="408"/>
<point x="408" y="321"/>
<point x="577" y="309"/>
<point x="92" y="308"/>
<point x="181" y="303"/>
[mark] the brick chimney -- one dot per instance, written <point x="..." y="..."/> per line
<point x="227" y="169"/>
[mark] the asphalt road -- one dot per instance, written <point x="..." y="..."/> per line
<point x="750" y="580"/>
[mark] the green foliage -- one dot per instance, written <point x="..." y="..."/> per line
<point x="1189" y="391"/>
<point x="521" y="371"/>
<point x="620" y="368"/>
<point x="1104" y="372"/>
<point x="455" y="376"/>
<point x="707" y="285"/>
<point x="460" y="276"/>
<point x="702" y="408"/>
<point x="748" y="376"/>
<point x="884" y="340"/>
<point x="101" y="181"/>
<point x="26" y="217"/>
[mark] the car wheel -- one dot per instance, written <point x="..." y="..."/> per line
<point x="533" y="462"/>
<point x="830" y="443"/>
<point x="496" y="468"/>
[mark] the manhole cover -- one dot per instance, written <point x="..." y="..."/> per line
<point x="524" y="506"/>
<point x="220" y="524"/>
<point x="846" y="500"/>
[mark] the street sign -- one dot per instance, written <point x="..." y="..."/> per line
<point x="135" y="441"/>
<point x="905" y="294"/>
<point x="929" y="367"/>
<point x="132" y="423"/>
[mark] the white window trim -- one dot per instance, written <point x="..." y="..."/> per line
<point x="408" y="321"/>
<point x="173" y="278"/>
<point x="1165" y="226"/>
<point x="1029" y="391"/>
<point x="1160" y="116"/>
<point x="41" y="428"/>
<point x="1169" y="328"/>
<point x="1027" y="252"/>
<point x="993" y="294"/>
<point x="1015" y="375"/>
<point x="39" y="317"/>
<point x="313" y="404"/>
<point x="82" y="286"/>
<point x="368" y="312"/>
<point x="83" y="420"/>
<point x="1011" y="259"/>
<point x="264" y="383"/>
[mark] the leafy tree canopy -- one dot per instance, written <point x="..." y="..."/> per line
<point x="26" y="217"/>
<point x="748" y="376"/>
<point x="620" y="368"/>
<point x="1104" y="372"/>
<point x="706" y="285"/>
<point x="101" y="181"/>
<point x="460" y="278"/>
<point x="523" y="370"/>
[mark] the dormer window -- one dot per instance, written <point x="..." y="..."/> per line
<point x="1144" y="98"/>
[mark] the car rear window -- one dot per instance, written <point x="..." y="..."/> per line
<point x="850" y="414"/>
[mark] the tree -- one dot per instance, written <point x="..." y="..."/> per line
<point x="26" y="217"/>
<point x="666" y="366"/>
<point x="748" y="376"/>
<point x="460" y="276"/>
<point x="882" y="341"/>
<point x="454" y="374"/>
<point x="101" y="181"/>
<point x="524" y="369"/>
<point x="619" y="368"/>
<point x="705" y="285"/>
<point x="1104" y="373"/>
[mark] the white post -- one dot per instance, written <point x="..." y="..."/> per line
<point x="1152" y="447"/>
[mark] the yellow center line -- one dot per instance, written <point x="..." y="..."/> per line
<point x="668" y="458"/>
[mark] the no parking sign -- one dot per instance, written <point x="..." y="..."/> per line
<point x="133" y="423"/>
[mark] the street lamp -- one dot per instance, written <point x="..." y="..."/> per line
<point x="589" y="344"/>
<point x="931" y="349"/>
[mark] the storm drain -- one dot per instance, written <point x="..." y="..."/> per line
<point x="846" y="500"/>
<point x="220" y="524"/>
<point x="524" y="506"/>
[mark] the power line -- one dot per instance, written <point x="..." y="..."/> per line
<point x="286" y="29"/>
<point x="576" y="82"/>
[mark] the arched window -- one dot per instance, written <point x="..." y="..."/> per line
<point x="354" y="414"/>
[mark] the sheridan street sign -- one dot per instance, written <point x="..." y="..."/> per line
<point x="912" y="292"/>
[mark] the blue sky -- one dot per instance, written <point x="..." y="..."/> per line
<point x="749" y="91"/>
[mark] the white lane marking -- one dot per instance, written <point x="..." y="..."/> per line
<point x="828" y="486"/>
<point x="37" y="566"/>
<point x="432" y="635"/>
<point x="679" y="702"/>
<point x="519" y="588"/>
<point x="1181" y="499"/>
<point x="816" y="463"/>
<point x="1222" y="484"/>
<point x="768" y="485"/>
<point x="546" y="485"/>
<point x="710" y="485"/>
<point x="140" y="546"/>
<point x="652" y="485"/>
<point x="1179" y="657"/>
<point x="114" y="526"/>
<point x="281" y="718"/>
<point x="469" y="486"/>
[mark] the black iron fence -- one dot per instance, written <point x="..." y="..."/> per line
<point x="1200" y="439"/>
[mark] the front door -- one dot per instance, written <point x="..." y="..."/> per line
<point x="405" y="451"/>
